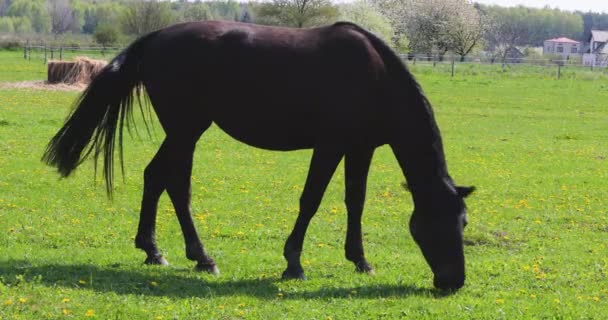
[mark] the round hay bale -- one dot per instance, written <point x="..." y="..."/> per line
<point x="80" y="71"/>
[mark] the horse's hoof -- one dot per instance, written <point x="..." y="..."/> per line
<point x="156" y="260"/>
<point x="364" y="267"/>
<point x="293" y="275"/>
<point x="209" y="268"/>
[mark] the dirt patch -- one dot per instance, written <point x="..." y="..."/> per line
<point x="43" y="85"/>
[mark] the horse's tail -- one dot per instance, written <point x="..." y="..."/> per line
<point x="105" y="105"/>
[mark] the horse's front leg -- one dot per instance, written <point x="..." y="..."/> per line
<point x="356" y="168"/>
<point x="322" y="167"/>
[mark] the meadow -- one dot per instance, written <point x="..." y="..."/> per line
<point x="535" y="147"/>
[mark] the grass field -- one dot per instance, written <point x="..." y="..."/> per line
<point x="534" y="146"/>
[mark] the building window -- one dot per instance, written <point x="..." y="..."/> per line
<point x="560" y="49"/>
<point x="573" y="50"/>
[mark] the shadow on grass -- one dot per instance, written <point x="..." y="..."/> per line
<point x="169" y="283"/>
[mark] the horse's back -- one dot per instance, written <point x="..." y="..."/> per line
<point x="271" y="87"/>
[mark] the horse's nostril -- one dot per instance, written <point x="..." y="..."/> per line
<point x="444" y="283"/>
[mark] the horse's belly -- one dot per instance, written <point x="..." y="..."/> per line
<point x="272" y="135"/>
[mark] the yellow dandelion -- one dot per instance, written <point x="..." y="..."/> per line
<point x="537" y="221"/>
<point x="89" y="313"/>
<point x="221" y="307"/>
<point x="533" y="296"/>
<point x="556" y="300"/>
<point x="500" y="301"/>
<point x="8" y="302"/>
<point x="280" y="294"/>
<point x="241" y="305"/>
<point x="240" y="313"/>
<point x="321" y="245"/>
<point x="23" y="300"/>
<point x="596" y="298"/>
<point x="353" y="292"/>
<point x="65" y="300"/>
<point x="154" y="283"/>
<point x="82" y="282"/>
<point x="65" y="312"/>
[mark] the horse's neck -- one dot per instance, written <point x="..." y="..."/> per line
<point x="423" y="164"/>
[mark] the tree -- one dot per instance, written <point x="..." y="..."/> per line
<point x="35" y="10"/>
<point x="107" y="13"/>
<point x="466" y="30"/>
<point x="62" y="16"/>
<point x="367" y="16"/>
<point x="106" y="35"/>
<point x="141" y="17"/>
<point x="196" y="12"/>
<point x="6" y="25"/>
<point x="435" y="25"/>
<point x="505" y="31"/>
<point x="22" y="25"/>
<point x="297" y="13"/>
<point x="4" y="5"/>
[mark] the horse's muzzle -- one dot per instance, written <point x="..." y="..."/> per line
<point x="449" y="279"/>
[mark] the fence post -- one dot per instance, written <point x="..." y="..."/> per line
<point x="45" y="54"/>
<point x="60" y="53"/>
<point x="452" y="65"/>
<point x="52" y="53"/>
<point x="25" y="50"/>
<point x="559" y="70"/>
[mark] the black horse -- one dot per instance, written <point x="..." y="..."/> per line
<point x="337" y="89"/>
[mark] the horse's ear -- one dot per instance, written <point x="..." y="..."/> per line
<point x="464" y="192"/>
<point x="405" y="186"/>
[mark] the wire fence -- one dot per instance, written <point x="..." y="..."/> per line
<point x="549" y="66"/>
<point x="45" y="53"/>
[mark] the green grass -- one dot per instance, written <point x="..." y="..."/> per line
<point x="535" y="147"/>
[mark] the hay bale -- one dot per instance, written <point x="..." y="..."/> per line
<point x="80" y="71"/>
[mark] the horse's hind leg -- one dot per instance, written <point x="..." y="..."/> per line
<point x="179" y="172"/>
<point x="154" y="185"/>
<point x="356" y="167"/>
<point x="322" y="167"/>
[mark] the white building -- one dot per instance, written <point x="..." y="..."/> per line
<point x="598" y="49"/>
<point x="563" y="47"/>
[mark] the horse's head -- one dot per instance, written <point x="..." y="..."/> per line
<point x="437" y="226"/>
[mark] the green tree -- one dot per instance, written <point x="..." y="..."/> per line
<point x="35" y="10"/>
<point x="297" y="13"/>
<point x="101" y="13"/>
<point x="106" y="35"/>
<point x="196" y="12"/>
<point x="6" y="25"/>
<point x="224" y="10"/>
<point x="367" y="16"/>
<point x="141" y="17"/>
<point x="22" y="25"/>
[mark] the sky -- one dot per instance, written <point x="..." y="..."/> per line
<point x="571" y="5"/>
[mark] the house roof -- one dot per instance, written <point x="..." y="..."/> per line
<point x="599" y="35"/>
<point x="562" y="40"/>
